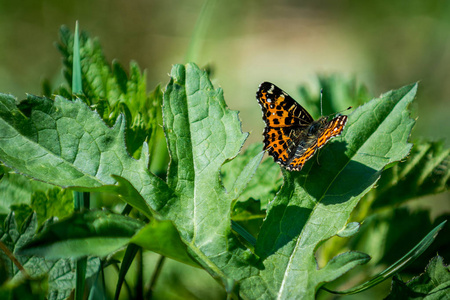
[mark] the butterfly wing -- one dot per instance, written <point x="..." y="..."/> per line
<point x="279" y="109"/>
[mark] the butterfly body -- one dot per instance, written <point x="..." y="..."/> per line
<point x="291" y="135"/>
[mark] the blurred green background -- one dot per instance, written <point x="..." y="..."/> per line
<point x="383" y="44"/>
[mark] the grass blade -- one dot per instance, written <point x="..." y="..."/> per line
<point x="77" y="87"/>
<point x="128" y="258"/>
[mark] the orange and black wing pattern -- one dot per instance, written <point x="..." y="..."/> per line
<point x="330" y="130"/>
<point x="291" y="135"/>
<point x="282" y="115"/>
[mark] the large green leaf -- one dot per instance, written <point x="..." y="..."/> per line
<point x="315" y="204"/>
<point x="202" y="133"/>
<point x="65" y="143"/>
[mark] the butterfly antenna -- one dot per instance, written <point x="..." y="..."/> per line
<point x="321" y="108"/>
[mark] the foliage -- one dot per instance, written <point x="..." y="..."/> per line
<point x="434" y="283"/>
<point x="217" y="208"/>
<point x="59" y="274"/>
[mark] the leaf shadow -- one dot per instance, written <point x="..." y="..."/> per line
<point x="286" y="229"/>
<point x="335" y="181"/>
<point x="337" y="178"/>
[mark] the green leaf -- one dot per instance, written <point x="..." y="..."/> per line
<point x="388" y="233"/>
<point x="202" y="133"/>
<point x="249" y="215"/>
<point x="398" y="265"/>
<point x="66" y="144"/>
<point x="245" y="175"/>
<point x="162" y="237"/>
<point x="54" y="202"/>
<point x="127" y="260"/>
<point x="265" y="182"/>
<point x="426" y="171"/>
<point x="349" y="230"/>
<point x="96" y="233"/>
<point x="61" y="273"/>
<point x="313" y="205"/>
<point x="111" y="91"/>
<point x="433" y="284"/>
<point x="80" y="277"/>
<point x="47" y="200"/>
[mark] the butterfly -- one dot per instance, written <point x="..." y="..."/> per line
<point x="291" y="135"/>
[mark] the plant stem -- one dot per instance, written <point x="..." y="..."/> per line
<point x="140" y="277"/>
<point x="13" y="259"/>
<point x="155" y="277"/>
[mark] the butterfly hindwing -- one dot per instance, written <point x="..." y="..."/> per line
<point x="327" y="130"/>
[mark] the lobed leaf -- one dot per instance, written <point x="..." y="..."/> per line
<point x="202" y="133"/>
<point x="315" y="204"/>
<point x="65" y="143"/>
<point x="111" y="91"/>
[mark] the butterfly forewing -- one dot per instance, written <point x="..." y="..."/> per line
<point x="278" y="142"/>
<point x="279" y="109"/>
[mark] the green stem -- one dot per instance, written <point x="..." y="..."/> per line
<point x="140" y="276"/>
<point x="80" y="276"/>
<point x="155" y="277"/>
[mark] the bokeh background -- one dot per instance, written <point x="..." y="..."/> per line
<point x="382" y="44"/>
